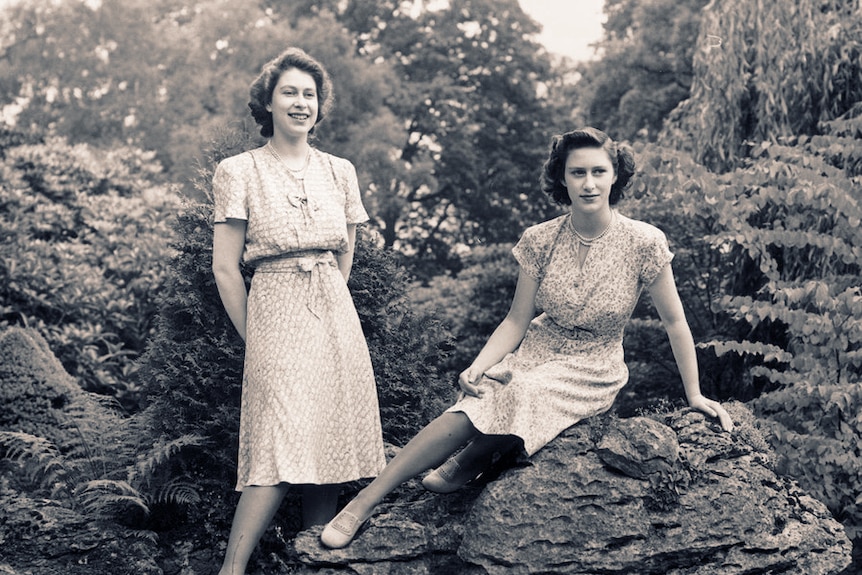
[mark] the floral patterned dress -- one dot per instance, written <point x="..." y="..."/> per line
<point x="309" y="412"/>
<point x="570" y="364"/>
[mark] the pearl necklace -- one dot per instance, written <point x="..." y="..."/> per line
<point x="590" y="241"/>
<point x="298" y="173"/>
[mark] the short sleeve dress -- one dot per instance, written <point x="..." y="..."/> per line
<point x="570" y="364"/>
<point x="309" y="411"/>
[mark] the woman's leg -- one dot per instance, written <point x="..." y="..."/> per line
<point x="479" y="454"/>
<point x="429" y="448"/>
<point x="319" y="503"/>
<point x="256" y="508"/>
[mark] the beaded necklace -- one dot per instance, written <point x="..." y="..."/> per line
<point x="299" y="173"/>
<point x="590" y="241"/>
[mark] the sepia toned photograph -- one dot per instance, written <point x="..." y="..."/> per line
<point x="430" y="287"/>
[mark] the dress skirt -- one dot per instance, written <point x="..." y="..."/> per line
<point x="309" y="412"/>
<point x="556" y="378"/>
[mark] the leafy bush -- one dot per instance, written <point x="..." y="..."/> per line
<point x="778" y="247"/>
<point x="407" y="345"/>
<point x="83" y="249"/>
<point x="470" y="304"/>
<point x="797" y="218"/>
<point x="785" y="127"/>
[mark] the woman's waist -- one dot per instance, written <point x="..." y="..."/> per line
<point x="573" y="331"/>
<point x="298" y="261"/>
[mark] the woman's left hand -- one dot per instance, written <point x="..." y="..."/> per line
<point x="713" y="409"/>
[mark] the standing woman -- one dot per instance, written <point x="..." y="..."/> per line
<point x="538" y="375"/>
<point x="309" y="413"/>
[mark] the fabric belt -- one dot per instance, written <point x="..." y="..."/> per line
<point x="308" y="262"/>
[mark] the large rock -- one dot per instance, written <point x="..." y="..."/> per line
<point x="611" y="496"/>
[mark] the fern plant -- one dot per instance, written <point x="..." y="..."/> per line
<point x="118" y="492"/>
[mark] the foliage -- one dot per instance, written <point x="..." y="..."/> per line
<point x="470" y="304"/>
<point x="73" y="447"/>
<point x="791" y="216"/>
<point x="768" y="263"/>
<point x="782" y="224"/>
<point x="160" y="75"/>
<point x="476" y="124"/>
<point x="645" y="69"/>
<point x="82" y="254"/>
<point x="407" y="346"/>
<point x="797" y="218"/>
<point x="767" y="71"/>
<point x="815" y="428"/>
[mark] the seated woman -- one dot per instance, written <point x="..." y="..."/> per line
<point x="537" y="376"/>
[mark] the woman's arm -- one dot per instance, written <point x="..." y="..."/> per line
<point x="228" y="244"/>
<point x="666" y="299"/>
<point x="345" y="260"/>
<point x="507" y="336"/>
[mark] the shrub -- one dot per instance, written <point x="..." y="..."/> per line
<point x="471" y="304"/>
<point x="83" y="249"/>
<point x="780" y="277"/>
<point x="797" y="219"/>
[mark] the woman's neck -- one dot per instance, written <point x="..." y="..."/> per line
<point x="291" y="150"/>
<point x="592" y="224"/>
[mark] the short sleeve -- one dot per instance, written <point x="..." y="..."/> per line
<point x="527" y="253"/>
<point x="655" y="256"/>
<point x="229" y="195"/>
<point x="354" y="211"/>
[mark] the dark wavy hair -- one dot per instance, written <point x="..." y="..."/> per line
<point x="262" y="88"/>
<point x="622" y="159"/>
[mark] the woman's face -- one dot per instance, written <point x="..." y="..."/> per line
<point x="294" y="103"/>
<point x="588" y="177"/>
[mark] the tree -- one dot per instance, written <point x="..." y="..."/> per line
<point x="766" y="72"/>
<point x="462" y="166"/>
<point x="646" y="68"/>
<point x="88" y="72"/>
<point x="165" y="75"/>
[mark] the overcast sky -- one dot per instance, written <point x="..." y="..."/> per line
<point x="568" y="26"/>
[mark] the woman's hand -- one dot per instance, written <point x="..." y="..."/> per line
<point x="713" y="409"/>
<point x="467" y="380"/>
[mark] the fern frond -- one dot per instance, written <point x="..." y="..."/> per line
<point x="40" y="460"/>
<point x="178" y="491"/>
<point x="161" y="452"/>
<point x="143" y="535"/>
<point x="106" y="497"/>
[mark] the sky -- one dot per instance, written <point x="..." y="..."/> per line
<point x="568" y="26"/>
